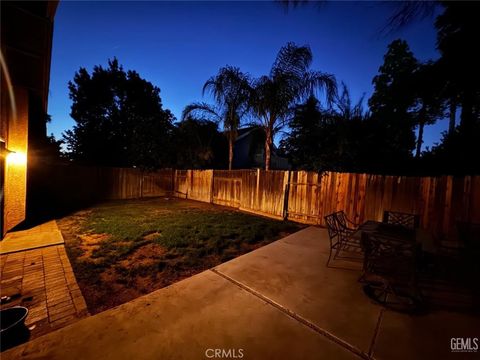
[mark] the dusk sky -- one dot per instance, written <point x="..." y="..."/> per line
<point x="178" y="45"/>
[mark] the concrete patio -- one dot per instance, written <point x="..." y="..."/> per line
<point x="278" y="302"/>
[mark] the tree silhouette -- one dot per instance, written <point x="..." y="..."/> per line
<point x="231" y="91"/>
<point x="408" y="94"/>
<point x="119" y="119"/>
<point x="457" y="32"/>
<point x="290" y="81"/>
<point x="392" y="100"/>
<point x="427" y="87"/>
<point x="200" y="145"/>
<point x="336" y="138"/>
<point x="303" y="143"/>
<point x="344" y="108"/>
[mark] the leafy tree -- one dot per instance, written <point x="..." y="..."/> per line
<point x="200" y="145"/>
<point x="119" y="119"/>
<point x="289" y="82"/>
<point x="457" y="153"/>
<point x="302" y="144"/>
<point x="231" y="91"/>
<point x="335" y="138"/>
<point x="427" y="87"/>
<point x="453" y="82"/>
<point x="391" y="102"/>
<point x="457" y="33"/>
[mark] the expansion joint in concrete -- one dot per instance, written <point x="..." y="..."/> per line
<point x="296" y="317"/>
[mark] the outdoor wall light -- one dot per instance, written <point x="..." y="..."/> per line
<point x="3" y="149"/>
<point x="12" y="157"/>
<point x="16" y="158"/>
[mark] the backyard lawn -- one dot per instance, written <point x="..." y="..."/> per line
<point x="120" y="250"/>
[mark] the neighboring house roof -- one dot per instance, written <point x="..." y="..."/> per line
<point x="242" y="133"/>
<point x="249" y="150"/>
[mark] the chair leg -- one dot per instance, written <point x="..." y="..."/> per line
<point x="337" y="249"/>
<point x="333" y="248"/>
<point x="329" y="257"/>
<point x="362" y="278"/>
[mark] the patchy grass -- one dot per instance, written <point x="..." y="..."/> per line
<point x="123" y="249"/>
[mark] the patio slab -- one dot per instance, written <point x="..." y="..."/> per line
<point x="292" y="272"/>
<point x="184" y="321"/>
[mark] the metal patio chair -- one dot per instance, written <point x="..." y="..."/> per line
<point x="406" y="220"/>
<point x="341" y="233"/>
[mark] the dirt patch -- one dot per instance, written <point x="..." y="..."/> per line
<point x="110" y="293"/>
<point x="90" y="243"/>
<point x="144" y="256"/>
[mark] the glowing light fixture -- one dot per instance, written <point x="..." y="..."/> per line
<point x="12" y="157"/>
<point x="16" y="158"/>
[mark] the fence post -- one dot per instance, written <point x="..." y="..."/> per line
<point x="257" y="190"/>
<point x="211" y="186"/>
<point x="286" y="193"/>
<point x="188" y="182"/>
<point x="142" y="174"/>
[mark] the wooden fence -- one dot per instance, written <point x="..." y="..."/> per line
<point x="295" y="195"/>
<point x="64" y="187"/>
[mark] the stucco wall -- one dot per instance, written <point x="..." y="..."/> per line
<point x="15" y="165"/>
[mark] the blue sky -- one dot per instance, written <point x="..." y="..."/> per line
<point x="179" y="45"/>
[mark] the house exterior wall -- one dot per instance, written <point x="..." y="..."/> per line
<point x="15" y="181"/>
<point x="26" y="40"/>
<point x="241" y="156"/>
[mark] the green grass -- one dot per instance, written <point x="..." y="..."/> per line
<point x="188" y="237"/>
<point x="177" y="224"/>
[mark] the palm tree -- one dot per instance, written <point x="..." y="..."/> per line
<point x="343" y="107"/>
<point x="290" y="81"/>
<point x="230" y="89"/>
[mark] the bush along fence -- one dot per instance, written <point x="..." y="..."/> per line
<point x="300" y="196"/>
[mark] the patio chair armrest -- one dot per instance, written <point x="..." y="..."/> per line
<point x="353" y="223"/>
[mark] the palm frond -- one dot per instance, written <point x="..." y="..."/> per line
<point x="231" y="89"/>
<point x="209" y="86"/>
<point x="292" y="59"/>
<point x="202" y="110"/>
<point x="407" y="12"/>
<point x="320" y="82"/>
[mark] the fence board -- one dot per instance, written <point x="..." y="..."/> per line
<point x="227" y="188"/>
<point x="180" y="183"/>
